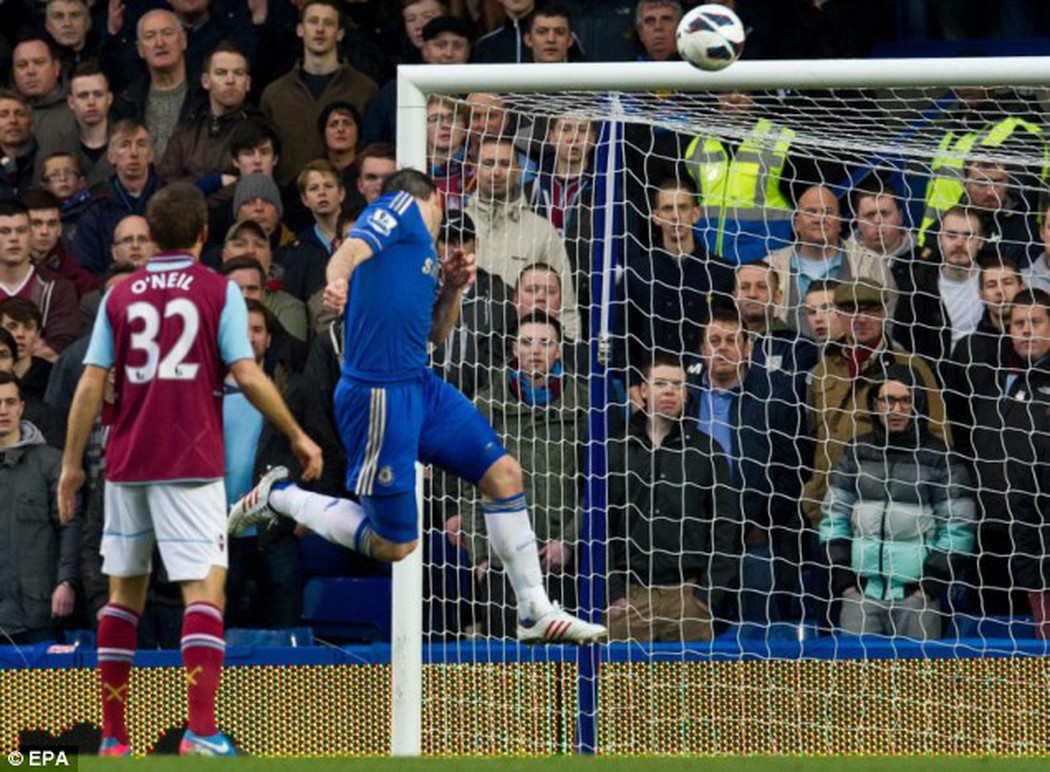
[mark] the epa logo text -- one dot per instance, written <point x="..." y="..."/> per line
<point x="43" y="757"/>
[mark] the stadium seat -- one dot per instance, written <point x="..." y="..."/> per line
<point x="321" y="557"/>
<point x="778" y="631"/>
<point x="969" y="626"/>
<point x="292" y="636"/>
<point x="348" y="608"/>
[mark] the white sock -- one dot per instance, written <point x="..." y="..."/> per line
<point x="513" y="540"/>
<point x="338" y="520"/>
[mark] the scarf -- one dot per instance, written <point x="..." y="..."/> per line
<point x="537" y="396"/>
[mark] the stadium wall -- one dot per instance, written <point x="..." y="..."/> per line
<point x="821" y="697"/>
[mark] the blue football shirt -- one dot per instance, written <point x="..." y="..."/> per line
<point x="391" y="299"/>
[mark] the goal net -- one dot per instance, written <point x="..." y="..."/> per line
<point x="782" y="420"/>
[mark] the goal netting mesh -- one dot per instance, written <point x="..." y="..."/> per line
<point x="787" y="438"/>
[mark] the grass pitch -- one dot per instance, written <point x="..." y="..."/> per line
<point x="578" y="764"/>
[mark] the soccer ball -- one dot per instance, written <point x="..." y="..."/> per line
<point x="710" y="37"/>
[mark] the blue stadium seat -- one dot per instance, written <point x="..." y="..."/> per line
<point x="348" y="608"/>
<point x="778" y="631"/>
<point x="969" y="626"/>
<point x="321" y="557"/>
<point x="292" y="636"/>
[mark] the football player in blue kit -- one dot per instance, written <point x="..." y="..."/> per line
<point x="392" y="410"/>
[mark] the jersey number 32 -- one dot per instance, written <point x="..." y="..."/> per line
<point x="171" y="366"/>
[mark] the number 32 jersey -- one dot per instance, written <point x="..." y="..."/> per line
<point x="167" y="334"/>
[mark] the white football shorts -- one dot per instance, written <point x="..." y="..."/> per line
<point x="186" y="521"/>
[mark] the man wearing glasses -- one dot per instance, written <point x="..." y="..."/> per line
<point x="841" y="381"/>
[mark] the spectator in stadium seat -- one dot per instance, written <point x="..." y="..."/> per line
<point x="37" y="75"/>
<point x="446" y="152"/>
<point x="489" y="117"/>
<point x="750" y="412"/>
<point x="445" y="40"/>
<point x="1030" y="335"/>
<point x="200" y="145"/>
<point x="1037" y="274"/>
<point x="506" y="44"/>
<point x="879" y="241"/>
<point x="132" y="246"/>
<point x="1009" y="435"/>
<point x="745" y="211"/>
<point x="940" y="303"/>
<point x="510" y="235"/>
<point x="819" y="307"/>
<point x="512" y="43"/>
<point x="46" y="247"/>
<point x="1008" y="225"/>
<point x="674" y="526"/>
<point x="816" y="254"/>
<point x="38" y="564"/>
<point x="267" y="559"/>
<point x="127" y="192"/>
<point x="90" y="98"/>
<point x="373" y="165"/>
<point x="668" y="290"/>
<point x="775" y="345"/>
<point x="205" y="23"/>
<point x="473" y="350"/>
<point x="21" y="317"/>
<point x="539" y="412"/>
<point x="978" y="359"/>
<point x="246" y="239"/>
<point x="61" y="174"/>
<point x="898" y="515"/>
<point x="255" y="148"/>
<point x="980" y="123"/>
<point x="321" y="192"/>
<point x="257" y="198"/>
<point x="562" y="191"/>
<point x="37" y="411"/>
<point x="656" y="24"/>
<point x="839" y="384"/>
<point x="54" y="296"/>
<point x="340" y="129"/>
<point x="296" y="99"/>
<point x="549" y="36"/>
<point x="415" y="15"/>
<point x="164" y="95"/>
<point x="132" y="241"/>
<point x="538" y="288"/>
<point x="18" y="147"/>
<point x="69" y="29"/>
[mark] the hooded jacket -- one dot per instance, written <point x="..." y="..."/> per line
<point x="899" y="505"/>
<point x="36" y="551"/>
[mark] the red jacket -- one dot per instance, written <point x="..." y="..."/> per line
<point x="58" y="303"/>
<point x="59" y="263"/>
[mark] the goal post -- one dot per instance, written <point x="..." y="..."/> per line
<point x="620" y="95"/>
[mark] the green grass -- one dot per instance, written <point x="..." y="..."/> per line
<point x="581" y="764"/>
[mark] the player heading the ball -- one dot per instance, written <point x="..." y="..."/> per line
<point x="391" y="410"/>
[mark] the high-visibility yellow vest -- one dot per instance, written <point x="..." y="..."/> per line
<point x="745" y="186"/>
<point x="945" y="187"/>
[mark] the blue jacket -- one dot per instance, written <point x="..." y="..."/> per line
<point x="770" y="441"/>
<point x="94" y="239"/>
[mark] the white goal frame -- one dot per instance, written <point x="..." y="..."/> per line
<point x="417" y="82"/>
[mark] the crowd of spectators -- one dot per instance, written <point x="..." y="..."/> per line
<point x="828" y="403"/>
